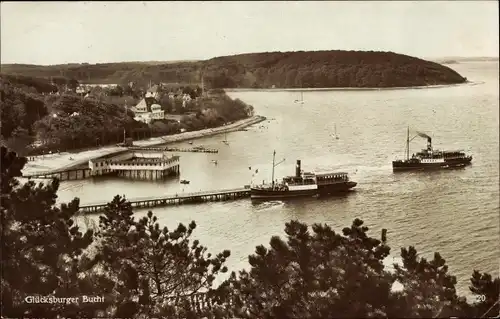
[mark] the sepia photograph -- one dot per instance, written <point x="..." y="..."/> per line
<point x="250" y="159"/>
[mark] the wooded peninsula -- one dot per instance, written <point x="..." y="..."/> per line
<point x="307" y="69"/>
<point x="42" y="104"/>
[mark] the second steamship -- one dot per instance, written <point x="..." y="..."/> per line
<point x="430" y="158"/>
<point x="303" y="184"/>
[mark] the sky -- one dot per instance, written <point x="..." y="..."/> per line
<point x="101" y="32"/>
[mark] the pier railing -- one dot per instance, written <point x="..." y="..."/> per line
<point x="173" y="149"/>
<point x="140" y="166"/>
<point x="42" y="174"/>
<point x="176" y="199"/>
<point x="178" y="195"/>
<point x="51" y="173"/>
<point x="146" y="160"/>
<point x="161" y="163"/>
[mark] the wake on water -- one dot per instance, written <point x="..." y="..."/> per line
<point x="268" y="205"/>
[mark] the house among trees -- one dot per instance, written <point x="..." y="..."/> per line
<point x="141" y="107"/>
<point x="153" y="92"/>
<point x="186" y="98"/>
<point x="148" y="110"/>
<point x="81" y="90"/>
<point x="141" y="112"/>
<point x="156" y="112"/>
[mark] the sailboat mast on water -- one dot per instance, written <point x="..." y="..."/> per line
<point x="301" y="101"/>
<point x="334" y="135"/>
<point x="408" y="144"/>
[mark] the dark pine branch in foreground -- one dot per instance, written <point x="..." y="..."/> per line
<point x="145" y="271"/>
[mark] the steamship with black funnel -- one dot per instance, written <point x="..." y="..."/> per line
<point x="430" y="159"/>
<point x="302" y="184"/>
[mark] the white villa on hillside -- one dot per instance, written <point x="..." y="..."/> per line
<point x="141" y="107"/>
<point x="141" y="112"/>
<point x="145" y="114"/>
<point x="156" y="112"/>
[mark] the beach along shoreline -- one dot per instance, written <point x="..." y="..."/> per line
<point x="235" y="126"/>
<point x="421" y="87"/>
<point x="54" y="162"/>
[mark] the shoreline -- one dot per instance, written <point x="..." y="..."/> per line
<point x="55" y="162"/>
<point x="179" y="137"/>
<point x="437" y="86"/>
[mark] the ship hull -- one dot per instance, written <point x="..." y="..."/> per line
<point x="335" y="188"/>
<point x="256" y="193"/>
<point x="416" y="166"/>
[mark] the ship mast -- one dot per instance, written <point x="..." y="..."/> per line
<point x="408" y="144"/>
<point x="274" y="165"/>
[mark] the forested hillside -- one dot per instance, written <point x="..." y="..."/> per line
<point x="312" y="69"/>
<point x="34" y="121"/>
<point x="29" y="114"/>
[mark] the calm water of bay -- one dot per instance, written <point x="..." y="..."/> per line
<point x="454" y="212"/>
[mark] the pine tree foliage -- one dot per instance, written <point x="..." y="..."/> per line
<point x="42" y="247"/>
<point x="143" y="270"/>
<point x="324" y="274"/>
<point x="156" y="270"/>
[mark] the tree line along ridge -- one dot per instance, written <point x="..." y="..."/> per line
<point x="307" y="69"/>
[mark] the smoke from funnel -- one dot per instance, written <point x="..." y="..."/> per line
<point x="423" y="135"/>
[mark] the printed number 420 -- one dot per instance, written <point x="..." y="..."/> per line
<point x="480" y="298"/>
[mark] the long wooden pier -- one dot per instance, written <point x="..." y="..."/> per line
<point x="177" y="199"/>
<point x="61" y="174"/>
<point x="174" y="149"/>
